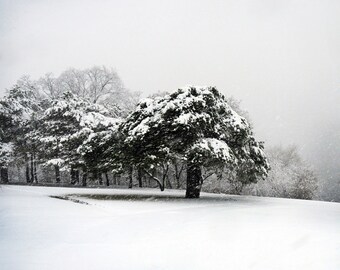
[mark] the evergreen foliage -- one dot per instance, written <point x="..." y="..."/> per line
<point x="197" y="125"/>
<point x="69" y="131"/>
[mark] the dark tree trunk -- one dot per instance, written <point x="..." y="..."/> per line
<point x="28" y="180"/>
<point x="93" y="176"/>
<point x="130" y="177"/>
<point x="84" y="180"/>
<point x="158" y="181"/>
<point x="77" y="176"/>
<point x="100" y="179"/>
<point x="35" y="171"/>
<point x="194" y="180"/>
<point x="32" y="168"/>
<point x="165" y="178"/>
<point x="140" y="177"/>
<point x="4" y="175"/>
<point x="57" y="174"/>
<point x="107" y="179"/>
<point x="73" y="176"/>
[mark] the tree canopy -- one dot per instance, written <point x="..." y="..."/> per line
<point x="197" y="125"/>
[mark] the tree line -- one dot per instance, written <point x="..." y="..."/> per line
<point x="85" y="128"/>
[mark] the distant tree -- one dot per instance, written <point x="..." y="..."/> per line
<point x="289" y="177"/>
<point x="50" y="87"/>
<point x="198" y="125"/>
<point x="99" y="85"/>
<point x="330" y="189"/>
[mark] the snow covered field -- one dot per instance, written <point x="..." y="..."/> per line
<point x="164" y="231"/>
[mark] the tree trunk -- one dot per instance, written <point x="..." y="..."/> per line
<point x="84" y="180"/>
<point x="107" y="179"/>
<point x="194" y="180"/>
<point x="100" y="179"/>
<point x="130" y="176"/>
<point x="140" y="177"/>
<point x="32" y="168"/>
<point x="114" y="179"/>
<point x="77" y="176"/>
<point x="158" y="181"/>
<point x="57" y="174"/>
<point x="4" y="175"/>
<point x="165" y="169"/>
<point x="35" y="171"/>
<point x="28" y="180"/>
<point x="73" y="176"/>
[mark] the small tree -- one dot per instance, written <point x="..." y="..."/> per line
<point x="198" y="125"/>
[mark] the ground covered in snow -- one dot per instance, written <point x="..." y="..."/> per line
<point x="147" y="229"/>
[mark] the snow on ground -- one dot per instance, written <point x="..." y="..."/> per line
<point x="163" y="231"/>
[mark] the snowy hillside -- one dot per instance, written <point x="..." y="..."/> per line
<point x="147" y="229"/>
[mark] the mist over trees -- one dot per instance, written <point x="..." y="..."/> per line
<point x="84" y="128"/>
<point x="289" y="177"/>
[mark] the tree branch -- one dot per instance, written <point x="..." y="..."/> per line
<point x="156" y="179"/>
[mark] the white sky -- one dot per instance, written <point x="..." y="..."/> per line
<point x="281" y="58"/>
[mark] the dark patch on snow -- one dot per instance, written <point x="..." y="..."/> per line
<point x="67" y="198"/>
<point x="149" y="197"/>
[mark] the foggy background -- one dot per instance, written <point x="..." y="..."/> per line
<point x="281" y="58"/>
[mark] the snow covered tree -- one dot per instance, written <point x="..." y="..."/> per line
<point x="6" y="144"/>
<point x="197" y="125"/>
<point x="235" y="104"/>
<point x="69" y="131"/>
<point x="101" y="137"/>
<point x="18" y="113"/>
<point x="6" y="153"/>
<point x="22" y="108"/>
<point x="289" y="177"/>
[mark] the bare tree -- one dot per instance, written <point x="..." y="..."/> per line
<point x="49" y="86"/>
<point x="97" y="84"/>
<point x="103" y="82"/>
